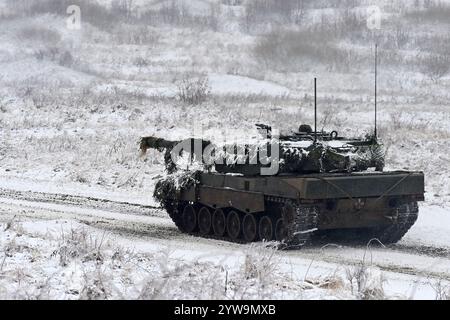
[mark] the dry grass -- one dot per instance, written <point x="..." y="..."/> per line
<point x="81" y="263"/>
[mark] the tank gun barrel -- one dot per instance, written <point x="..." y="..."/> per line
<point x="194" y="147"/>
<point x="156" y="143"/>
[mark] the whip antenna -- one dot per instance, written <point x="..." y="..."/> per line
<point x="376" y="65"/>
<point x="315" y="109"/>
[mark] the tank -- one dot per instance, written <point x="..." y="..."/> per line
<point x="324" y="185"/>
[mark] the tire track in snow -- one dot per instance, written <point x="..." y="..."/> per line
<point x="80" y="201"/>
<point x="129" y="213"/>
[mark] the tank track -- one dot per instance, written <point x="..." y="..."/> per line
<point x="404" y="218"/>
<point x="300" y="225"/>
<point x="301" y="222"/>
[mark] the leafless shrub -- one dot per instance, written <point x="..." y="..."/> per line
<point x="396" y="118"/>
<point x="366" y="282"/>
<point x="96" y="285"/>
<point x="232" y="2"/>
<point x="4" y="101"/>
<point x="172" y="13"/>
<point x="193" y="90"/>
<point x="434" y="12"/>
<point x="365" y="285"/>
<point x="259" y="12"/>
<point x="140" y="62"/>
<point x="153" y="288"/>
<point x="435" y="66"/>
<point x="174" y="279"/>
<point x="79" y="176"/>
<point x="442" y="291"/>
<point x="66" y="59"/>
<point x="435" y="43"/>
<point x="349" y="24"/>
<point x="259" y="273"/>
<point x="135" y="34"/>
<point x="56" y="54"/>
<point x="177" y="13"/>
<point x="14" y="225"/>
<point x="9" y="224"/>
<point x="212" y="20"/>
<point x="123" y="8"/>
<point x="259" y="263"/>
<point x="331" y="118"/>
<point x="78" y="243"/>
<point x="41" y="99"/>
<point x="401" y="36"/>
<point x="39" y="33"/>
<point x="284" y="49"/>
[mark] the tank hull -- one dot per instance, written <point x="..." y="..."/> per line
<point x="295" y="207"/>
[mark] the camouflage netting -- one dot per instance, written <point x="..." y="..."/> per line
<point x="169" y="187"/>
<point x="297" y="154"/>
<point x="364" y="158"/>
<point x="316" y="157"/>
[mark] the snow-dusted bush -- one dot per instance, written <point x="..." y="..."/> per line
<point x="56" y="54"/>
<point x="135" y="34"/>
<point x="79" y="244"/>
<point x="396" y="117"/>
<point x="39" y="33"/>
<point x="366" y="282"/>
<point x="442" y="291"/>
<point x="193" y="90"/>
<point x="259" y="12"/>
<point x="435" y="66"/>
<point x="260" y="263"/>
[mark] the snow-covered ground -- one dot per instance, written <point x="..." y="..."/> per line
<point x="74" y="103"/>
<point x="69" y="248"/>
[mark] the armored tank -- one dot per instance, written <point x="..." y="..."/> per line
<point x="323" y="184"/>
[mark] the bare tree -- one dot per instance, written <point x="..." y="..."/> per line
<point x="123" y="8"/>
<point x="298" y="12"/>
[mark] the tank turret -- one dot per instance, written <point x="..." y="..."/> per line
<point x="303" y="151"/>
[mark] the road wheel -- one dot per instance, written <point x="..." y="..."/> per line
<point x="204" y="221"/>
<point x="249" y="227"/>
<point x="233" y="225"/>
<point x="280" y="230"/>
<point x="265" y="229"/>
<point x="189" y="219"/>
<point x="219" y="222"/>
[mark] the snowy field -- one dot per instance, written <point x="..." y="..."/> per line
<point x="77" y="217"/>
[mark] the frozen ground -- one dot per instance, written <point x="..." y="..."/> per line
<point x="74" y="103"/>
